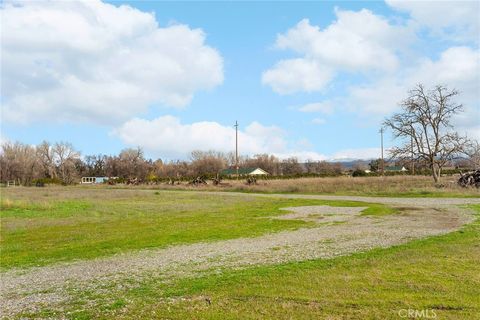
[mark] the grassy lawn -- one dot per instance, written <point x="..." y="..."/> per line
<point x="40" y="227"/>
<point x="439" y="275"/>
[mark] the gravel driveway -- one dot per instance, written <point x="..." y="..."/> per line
<point x="339" y="231"/>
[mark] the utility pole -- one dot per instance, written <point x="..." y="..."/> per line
<point x="236" y="147"/>
<point x="411" y="149"/>
<point x="381" y="139"/>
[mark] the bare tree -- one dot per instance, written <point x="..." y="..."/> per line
<point x="18" y="162"/>
<point x="425" y="130"/>
<point x="323" y="168"/>
<point x="46" y="156"/>
<point x="209" y="162"/>
<point x="65" y="158"/>
<point x="175" y="170"/>
<point x="291" y="166"/>
<point x="131" y="163"/>
<point x="95" y="165"/>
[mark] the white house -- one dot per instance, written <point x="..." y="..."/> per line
<point x="245" y="172"/>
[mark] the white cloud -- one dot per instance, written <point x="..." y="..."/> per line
<point x="379" y="98"/>
<point x="173" y="139"/>
<point x="356" y="42"/>
<point x="325" y="107"/>
<point x="88" y="60"/>
<point x="167" y="137"/>
<point x="370" y="45"/>
<point x="319" y="121"/>
<point x="456" y="20"/>
<point x="289" y="76"/>
<point x="457" y="67"/>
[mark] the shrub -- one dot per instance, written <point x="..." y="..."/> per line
<point x="359" y="173"/>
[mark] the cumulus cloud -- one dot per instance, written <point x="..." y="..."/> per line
<point x="379" y="98"/>
<point x="167" y="137"/>
<point x="93" y="61"/>
<point x="289" y="76"/>
<point x="457" y="67"/>
<point x="356" y="42"/>
<point x="456" y="20"/>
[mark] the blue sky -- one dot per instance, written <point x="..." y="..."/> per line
<point x="307" y="79"/>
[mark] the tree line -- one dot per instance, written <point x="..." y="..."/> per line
<point x="60" y="162"/>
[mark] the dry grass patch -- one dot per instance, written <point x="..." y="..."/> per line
<point x="394" y="186"/>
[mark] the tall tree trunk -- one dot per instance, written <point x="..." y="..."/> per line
<point x="435" y="172"/>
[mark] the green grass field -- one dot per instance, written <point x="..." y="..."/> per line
<point x="438" y="276"/>
<point x="42" y="227"/>
<point x="48" y="229"/>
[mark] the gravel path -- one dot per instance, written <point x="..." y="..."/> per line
<point x="339" y="231"/>
<point x="321" y="214"/>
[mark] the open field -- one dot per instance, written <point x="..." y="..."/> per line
<point x="388" y="186"/>
<point x="42" y="226"/>
<point x="96" y="252"/>
<point x="438" y="275"/>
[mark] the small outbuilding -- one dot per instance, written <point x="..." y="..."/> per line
<point x="244" y="172"/>
<point x="93" y="180"/>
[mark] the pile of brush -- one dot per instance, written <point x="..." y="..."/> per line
<point x="198" y="181"/>
<point x="470" y="179"/>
